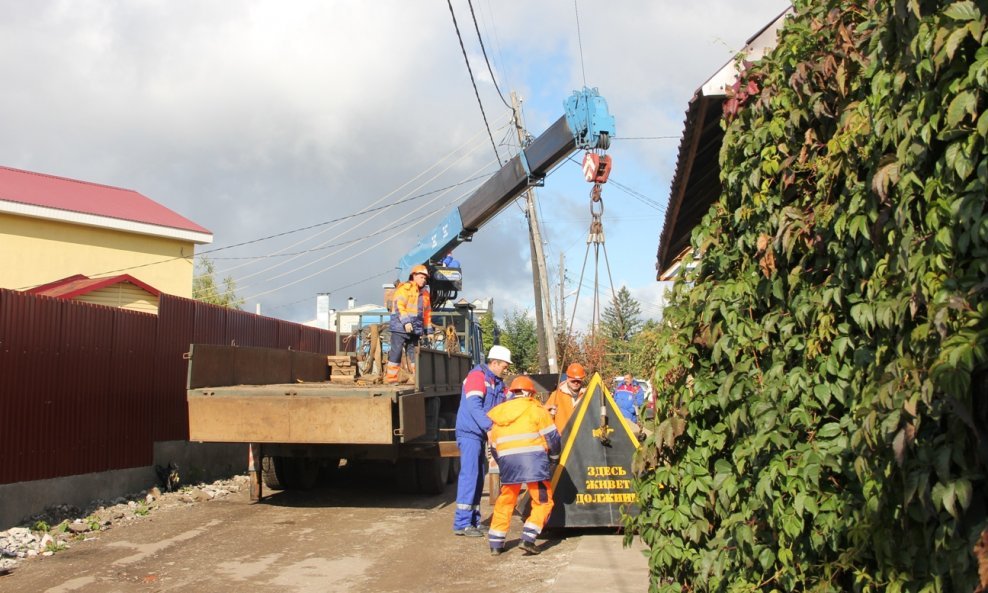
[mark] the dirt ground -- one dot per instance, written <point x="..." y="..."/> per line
<point x="351" y="536"/>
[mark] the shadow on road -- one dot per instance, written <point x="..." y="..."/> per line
<point x="368" y="485"/>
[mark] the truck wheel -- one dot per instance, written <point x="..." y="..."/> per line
<point x="289" y="473"/>
<point x="432" y="474"/>
<point x="272" y="468"/>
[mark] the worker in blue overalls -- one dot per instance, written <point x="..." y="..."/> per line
<point x="629" y="397"/>
<point x="482" y="390"/>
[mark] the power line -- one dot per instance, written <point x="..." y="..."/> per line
<point x="472" y="81"/>
<point x="335" y="289"/>
<point x="482" y="49"/>
<point x="631" y="192"/>
<point x="382" y="198"/>
<point x="579" y="37"/>
<point x="306" y="228"/>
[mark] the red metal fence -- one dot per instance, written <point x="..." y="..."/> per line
<point x="86" y="388"/>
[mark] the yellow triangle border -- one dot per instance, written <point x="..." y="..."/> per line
<point x="581" y="411"/>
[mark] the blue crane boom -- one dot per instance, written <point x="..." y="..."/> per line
<point x="586" y="125"/>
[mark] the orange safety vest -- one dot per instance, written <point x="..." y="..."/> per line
<point x="562" y="400"/>
<point x="407" y="302"/>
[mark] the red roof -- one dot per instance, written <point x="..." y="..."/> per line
<point x="73" y="286"/>
<point x="48" y="191"/>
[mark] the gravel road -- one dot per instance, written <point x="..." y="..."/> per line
<point x="353" y="536"/>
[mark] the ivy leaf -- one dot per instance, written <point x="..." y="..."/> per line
<point x="886" y="175"/>
<point x="955" y="40"/>
<point x="963" y="11"/>
<point x="963" y="104"/>
<point x="963" y="490"/>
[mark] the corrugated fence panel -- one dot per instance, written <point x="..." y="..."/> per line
<point x="210" y="325"/>
<point x="312" y="339"/>
<point x="176" y="324"/>
<point x="23" y="322"/>
<point x="79" y="394"/>
<point x="131" y="391"/>
<point x="87" y="388"/>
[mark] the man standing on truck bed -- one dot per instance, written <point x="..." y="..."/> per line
<point x="411" y="318"/>
<point x="482" y="390"/>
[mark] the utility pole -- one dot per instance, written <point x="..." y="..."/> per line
<point x="562" y="293"/>
<point x="543" y="308"/>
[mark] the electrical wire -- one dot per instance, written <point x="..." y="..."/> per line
<point x="472" y="140"/>
<point x="579" y="36"/>
<point x="335" y="289"/>
<point x="631" y="192"/>
<point x="340" y="262"/>
<point x="472" y="81"/>
<point x="482" y="49"/>
<point x="406" y="215"/>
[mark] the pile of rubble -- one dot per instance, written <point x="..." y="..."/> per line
<point x="58" y="528"/>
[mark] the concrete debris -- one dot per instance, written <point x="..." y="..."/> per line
<point x="60" y="526"/>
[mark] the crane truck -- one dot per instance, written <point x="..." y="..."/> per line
<point x="299" y="424"/>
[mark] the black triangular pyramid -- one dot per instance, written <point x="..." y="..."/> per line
<point x="593" y="479"/>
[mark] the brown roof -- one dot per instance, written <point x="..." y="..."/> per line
<point x="73" y="286"/>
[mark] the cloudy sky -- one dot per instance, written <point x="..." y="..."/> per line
<point x="258" y="118"/>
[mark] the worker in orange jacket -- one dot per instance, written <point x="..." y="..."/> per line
<point x="564" y="399"/>
<point x="411" y="318"/>
<point x="526" y="446"/>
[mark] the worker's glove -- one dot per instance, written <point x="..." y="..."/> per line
<point x="408" y="328"/>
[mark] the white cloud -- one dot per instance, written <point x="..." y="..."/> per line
<point x="260" y="117"/>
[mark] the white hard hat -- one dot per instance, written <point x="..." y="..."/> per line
<point x="499" y="352"/>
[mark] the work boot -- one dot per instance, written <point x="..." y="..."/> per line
<point x="496" y="551"/>
<point x="470" y="531"/>
<point x="391" y="375"/>
<point x="530" y="548"/>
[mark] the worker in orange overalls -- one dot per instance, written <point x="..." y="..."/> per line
<point x="526" y="446"/>
<point x="411" y="318"/>
<point x="563" y="400"/>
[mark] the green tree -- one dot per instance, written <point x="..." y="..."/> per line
<point x="821" y="411"/>
<point x="519" y="336"/>
<point x="205" y="289"/>
<point x="489" y="331"/>
<point x="621" y="320"/>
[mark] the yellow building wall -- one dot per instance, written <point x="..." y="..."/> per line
<point x="122" y="295"/>
<point x="36" y="251"/>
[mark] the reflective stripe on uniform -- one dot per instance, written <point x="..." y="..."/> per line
<point x="516" y="437"/>
<point x="531" y="449"/>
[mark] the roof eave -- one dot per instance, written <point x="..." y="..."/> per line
<point x="106" y="222"/>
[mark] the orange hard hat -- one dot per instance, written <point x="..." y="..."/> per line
<point x="522" y="383"/>
<point x="576" y="371"/>
<point x="420" y="269"/>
